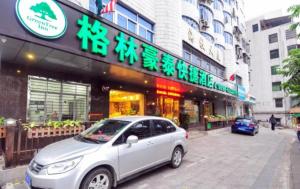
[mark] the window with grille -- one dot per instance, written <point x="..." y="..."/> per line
<point x="274" y="53"/>
<point x="278" y="103"/>
<point x="273" y="38"/>
<point x="49" y="99"/>
<point x="290" y="34"/>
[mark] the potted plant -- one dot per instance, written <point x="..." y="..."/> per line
<point x="2" y="121"/>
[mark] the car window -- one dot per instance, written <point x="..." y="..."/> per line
<point x="140" y="129"/>
<point x="162" y="127"/>
<point x="103" y="131"/>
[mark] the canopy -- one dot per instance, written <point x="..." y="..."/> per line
<point x="295" y="110"/>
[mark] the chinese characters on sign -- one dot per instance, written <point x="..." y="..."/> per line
<point x="126" y="49"/>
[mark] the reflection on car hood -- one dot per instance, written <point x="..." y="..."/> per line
<point x="63" y="150"/>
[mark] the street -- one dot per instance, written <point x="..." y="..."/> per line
<point x="229" y="161"/>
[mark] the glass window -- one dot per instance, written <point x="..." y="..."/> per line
<point x="255" y="27"/>
<point x="102" y="132"/>
<point x="227" y="18"/>
<point x="290" y="47"/>
<point x="278" y="102"/>
<point x="149" y="36"/>
<point x="141" y="130"/>
<point x="274" y="54"/>
<point x="273" y="38"/>
<point x="208" y="37"/>
<point x="191" y="22"/>
<point x="108" y="16"/>
<point x="221" y="47"/>
<point x="275" y="70"/>
<point x="142" y="32"/>
<point x="187" y="56"/>
<point x="218" y="27"/>
<point x="218" y="5"/>
<point x="290" y="34"/>
<point x="122" y="21"/>
<point x="238" y="80"/>
<point x="123" y="103"/>
<point x="162" y="127"/>
<point x="55" y="100"/>
<point x="126" y="12"/>
<point x="205" y="13"/>
<point x="131" y="26"/>
<point x="192" y="109"/>
<point x="276" y="86"/>
<point x="228" y="38"/>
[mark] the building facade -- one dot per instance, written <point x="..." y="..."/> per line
<point x="146" y="58"/>
<point x="271" y="40"/>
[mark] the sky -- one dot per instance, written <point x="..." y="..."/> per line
<point x="255" y="8"/>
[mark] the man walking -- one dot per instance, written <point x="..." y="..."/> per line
<point x="273" y="122"/>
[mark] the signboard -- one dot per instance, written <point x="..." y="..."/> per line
<point x="199" y="42"/>
<point x="241" y="93"/>
<point x="93" y="37"/>
<point x="43" y="18"/>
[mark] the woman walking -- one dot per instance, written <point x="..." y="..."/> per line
<point x="273" y="122"/>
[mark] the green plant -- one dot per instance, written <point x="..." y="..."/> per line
<point x="2" y="120"/>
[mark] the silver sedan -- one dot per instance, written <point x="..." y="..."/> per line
<point x="108" y="153"/>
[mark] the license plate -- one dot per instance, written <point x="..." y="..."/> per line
<point x="27" y="179"/>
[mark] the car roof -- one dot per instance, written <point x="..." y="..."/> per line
<point x="137" y="118"/>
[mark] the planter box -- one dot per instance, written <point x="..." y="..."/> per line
<point x="2" y="132"/>
<point x="41" y="132"/>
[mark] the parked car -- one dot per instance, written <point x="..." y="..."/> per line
<point x="108" y="153"/>
<point x="298" y="132"/>
<point x="246" y="125"/>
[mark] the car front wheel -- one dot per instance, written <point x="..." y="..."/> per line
<point x="177" y="157"/>
<point x="98" y="178"/>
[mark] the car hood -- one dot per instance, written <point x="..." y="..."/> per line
<point x="63" y="150"/>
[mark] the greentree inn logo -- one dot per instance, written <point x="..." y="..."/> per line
<point x="44" y="18"/>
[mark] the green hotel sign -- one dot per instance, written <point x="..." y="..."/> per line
<point x="93" y="37"/>
<point x="43" y="18"/>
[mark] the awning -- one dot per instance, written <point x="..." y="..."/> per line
<point x="295" y="115"/>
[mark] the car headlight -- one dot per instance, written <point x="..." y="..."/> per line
<point x="64" y="166"/>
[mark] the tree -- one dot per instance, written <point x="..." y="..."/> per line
<point x="291" y="67"/>
<point x="44" y="9"/>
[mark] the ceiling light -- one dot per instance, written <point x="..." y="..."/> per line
<point x="104" y="73"/>
<point x="3" y="39"/>
<point x="146" y="81"/>
<point x="204" y="94"/>
<point x="30" y="56"/>
<point x="121" y="87"/>
<point x="191" y="91"/>
<point x="18" y="71"/>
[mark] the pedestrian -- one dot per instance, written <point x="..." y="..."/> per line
<point x="273" y="122"/>
<point x="184" y="119"/>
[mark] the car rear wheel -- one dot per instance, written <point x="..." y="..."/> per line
<point x="298" y="135"/>
<point x="176" y="157"/>
<point x="253" y="133"/>
<point x="98" y="179"/>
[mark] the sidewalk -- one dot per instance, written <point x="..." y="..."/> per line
<point x="295" y="165"/>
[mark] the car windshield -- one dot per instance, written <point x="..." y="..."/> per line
<point x="103" y="131"/>
<point x="243" y="120"/>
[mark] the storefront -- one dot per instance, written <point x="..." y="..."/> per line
<point x="75" y="65"/>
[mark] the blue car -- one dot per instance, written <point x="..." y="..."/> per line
<point x="245" y="125"/>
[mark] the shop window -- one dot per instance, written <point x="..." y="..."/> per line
<point x="274" y="54"/>
<point x="273" y="38"/>
<point x="275" y="70"/>
<point x="122" y="103"/>
<point x="55" y="100"/>
<point x="278" y="103"/>
<point x="162" y="127"/>
<point x="168" y="107"/>
<point x="276" y="86"/>
<point x="192" y="110"/>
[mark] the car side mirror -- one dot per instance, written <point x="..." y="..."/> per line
<point x="132" y="139"/>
